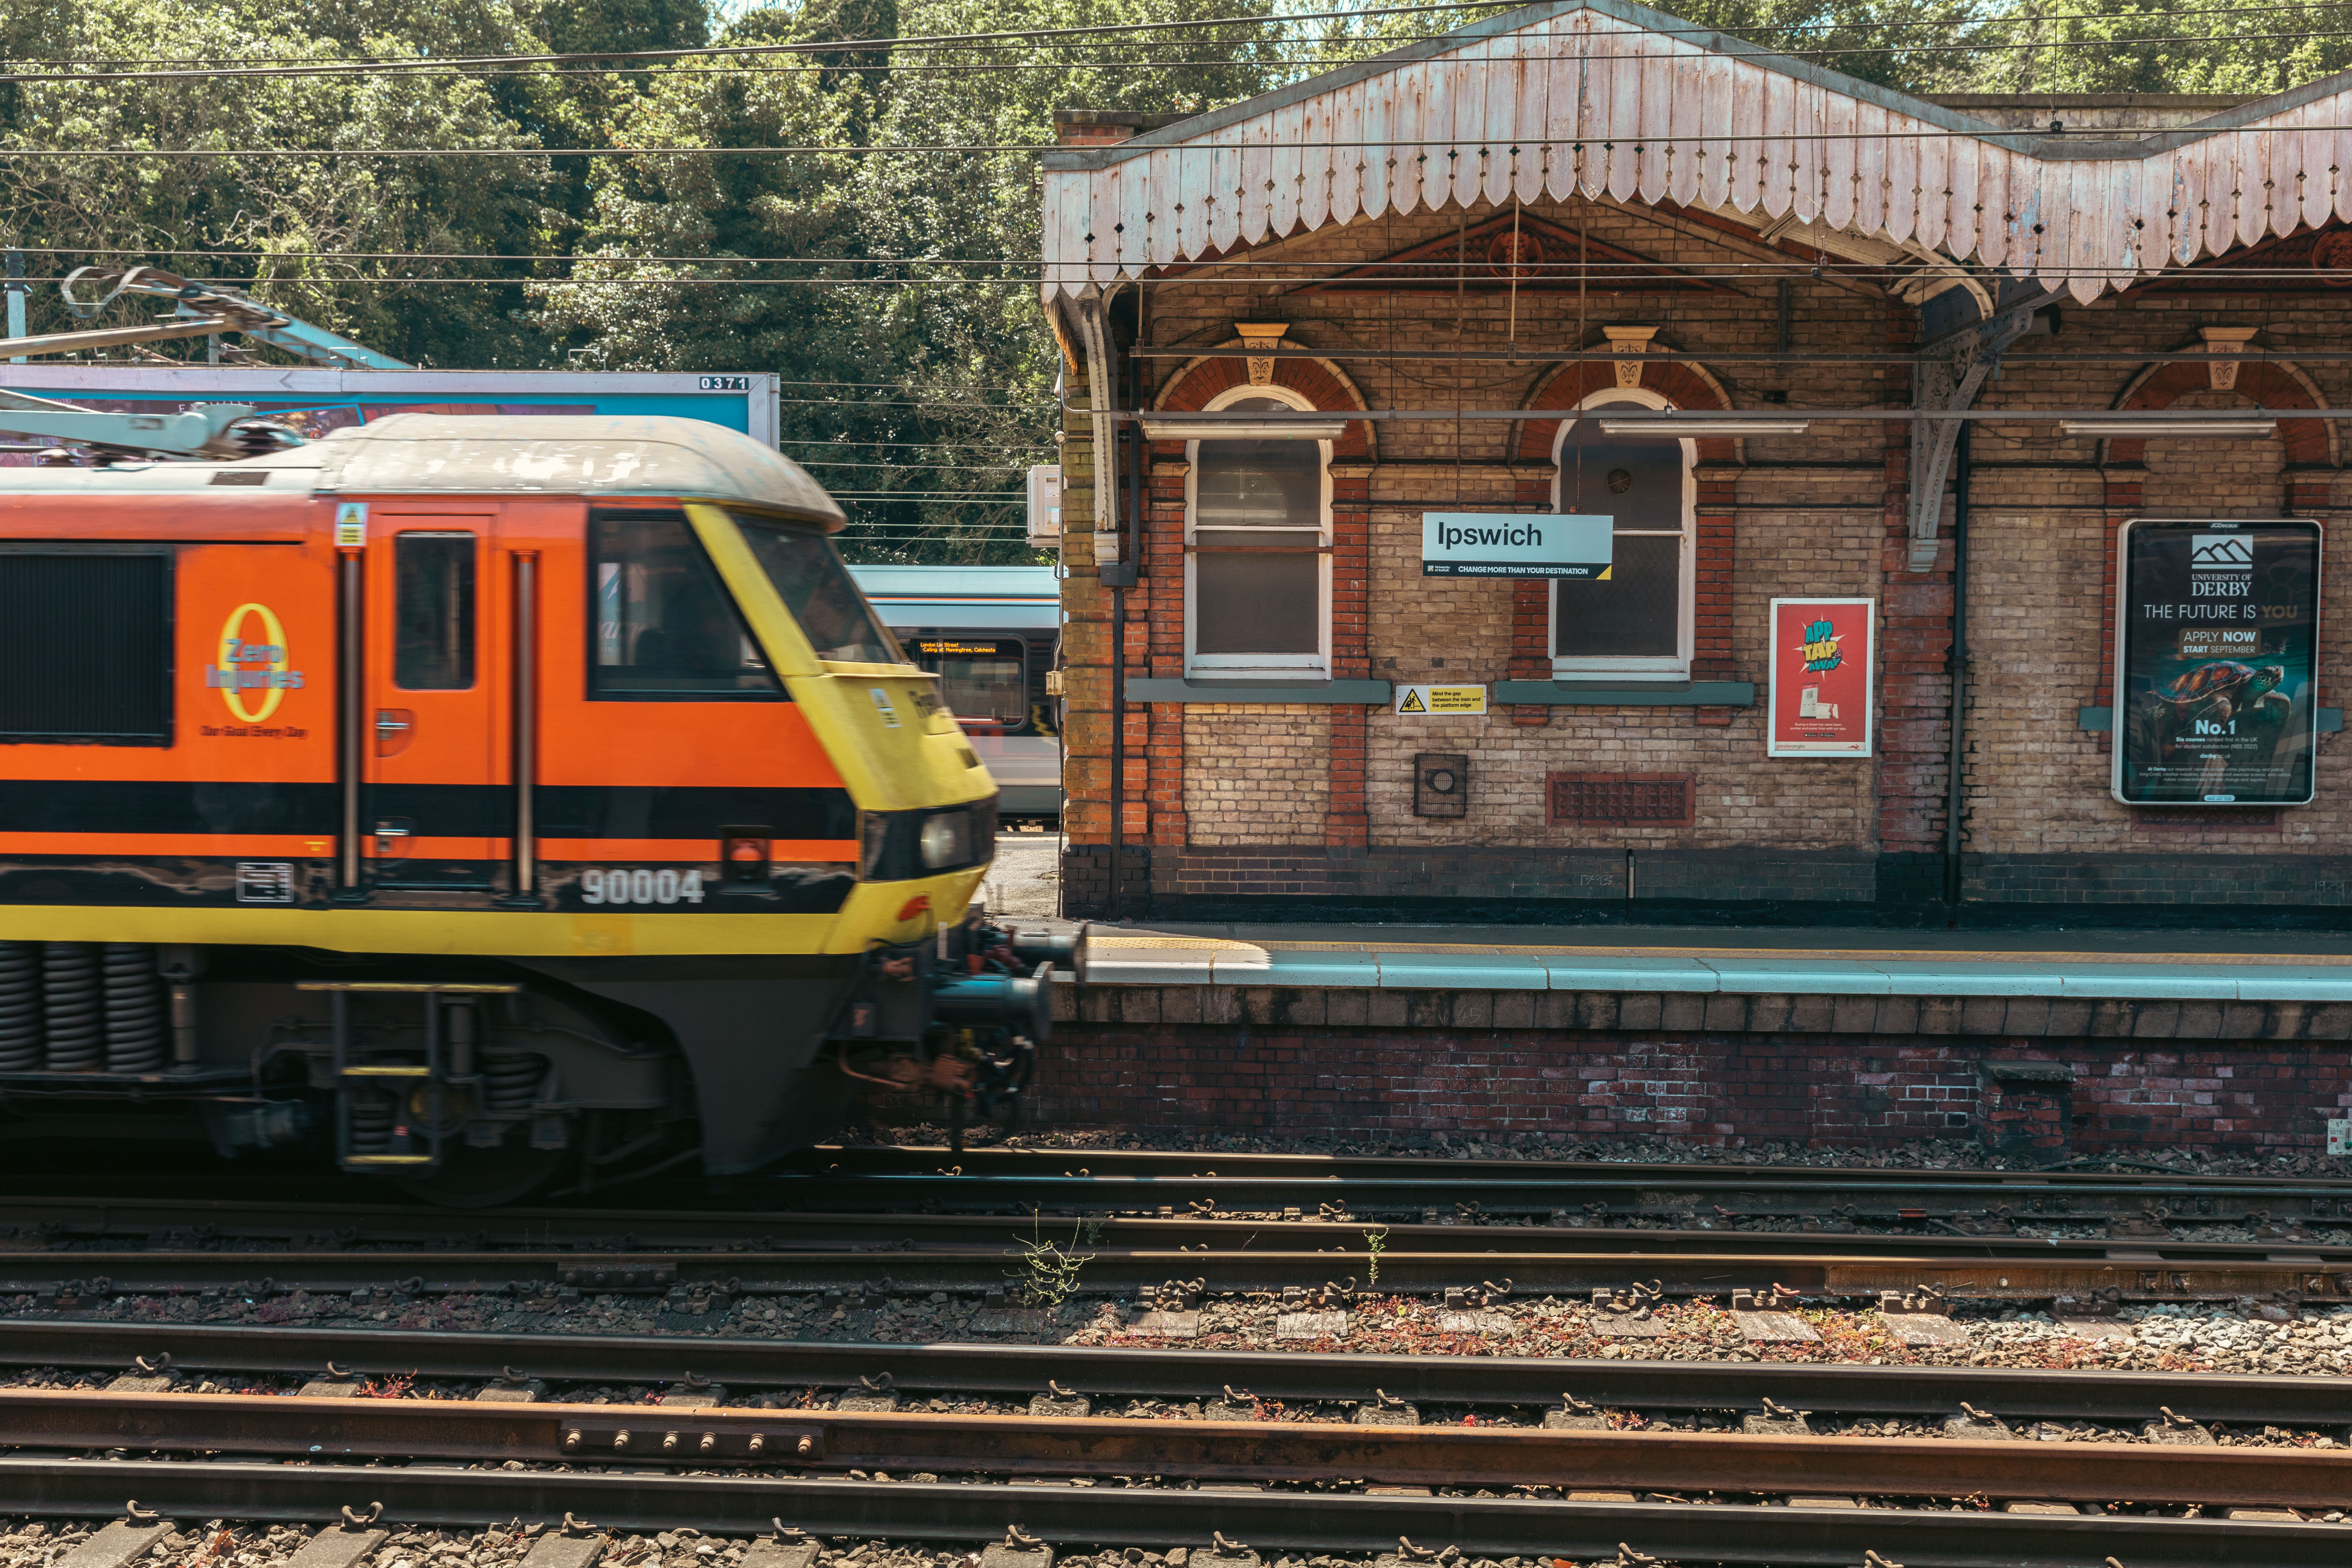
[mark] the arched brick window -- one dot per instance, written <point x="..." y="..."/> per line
<point x="1640" y="622"/>
<point x="1682" y="498"/>
<point x="1257" y="546"/>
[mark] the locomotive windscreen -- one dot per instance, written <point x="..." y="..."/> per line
<point x="816" y="588"/>
<point x="88" y="641"/>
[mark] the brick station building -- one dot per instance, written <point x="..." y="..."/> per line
<point x="1422" y="284"/>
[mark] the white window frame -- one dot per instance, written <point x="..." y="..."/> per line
<point x="1315" y="664"/>
<point x="1586" y="666"/>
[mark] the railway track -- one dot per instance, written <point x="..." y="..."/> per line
<point x="1670" y="1472"/>
<point x="1255" y="1524"/>
<point x="1143" y="1185"/>
<point x="81" y="1280"/>
<point x="64" y="1229"/>
<point x="1521" y="1389"/>
<point x="1359" y="1453"/>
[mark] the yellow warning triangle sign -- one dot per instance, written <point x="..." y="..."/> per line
<point x="1413" y="704"/>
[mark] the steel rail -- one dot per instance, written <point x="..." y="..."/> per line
<point x="2138" y="1275"/>
<point x="300" y="1225"/>
<point x="443" y="1495"/>
<point x="865" y="1159"/>
<point x="828" y="1178"/>
<point x="1112" y="1447"/>
<point x="1023" y="1370"/>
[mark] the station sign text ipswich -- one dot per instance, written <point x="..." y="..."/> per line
<point x="1515" y="544"/>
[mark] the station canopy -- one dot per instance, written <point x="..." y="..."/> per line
<point x="1611" y="100"/>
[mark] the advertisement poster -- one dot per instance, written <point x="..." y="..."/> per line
<point x="1821" y="690"/>
<point x="2217" y="645"/>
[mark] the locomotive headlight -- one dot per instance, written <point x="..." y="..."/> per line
<point x="945" y="840"/>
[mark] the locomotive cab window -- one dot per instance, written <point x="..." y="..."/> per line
<point x="662" y="625"/>
<point x="818" y="591"/>
<point x="433" y="605"/>
<point x="87" y="637"/>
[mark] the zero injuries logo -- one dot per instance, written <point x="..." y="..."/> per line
<point x="253" y="659"/>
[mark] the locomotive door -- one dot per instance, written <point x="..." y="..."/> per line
<point x="435" y="815"/>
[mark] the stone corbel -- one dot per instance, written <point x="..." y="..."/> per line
<point x="1259" y="337"/>
<point x="1951" y="373"/>
<point x="1629" y="342"/>
<point x="2222" y="375"/>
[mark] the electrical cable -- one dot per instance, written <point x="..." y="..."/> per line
<point x="458" y="71"/>
<point x="216" y="66"/>
<point x="842" y="46"/>
<point x="1698" y="144"/>
<point x="944" y="40"/>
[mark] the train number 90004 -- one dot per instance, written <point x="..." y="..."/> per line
<point x="641" y="887"/>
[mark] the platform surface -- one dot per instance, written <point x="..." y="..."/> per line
<point x="2140" y="966"/>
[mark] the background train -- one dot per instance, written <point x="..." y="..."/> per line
<point x="481" y="803"/>
<point x="993" y="635"/>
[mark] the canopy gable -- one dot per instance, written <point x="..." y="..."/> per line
<point x="1608" y="98"/>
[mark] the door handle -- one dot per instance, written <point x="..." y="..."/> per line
<point x="394" y="728"/>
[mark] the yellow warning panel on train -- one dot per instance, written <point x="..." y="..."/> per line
<point x="1420" y="701"/>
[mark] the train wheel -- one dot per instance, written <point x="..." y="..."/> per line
<point x="484" y="1178"/>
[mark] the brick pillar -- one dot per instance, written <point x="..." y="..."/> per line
<point x="2311" y="492"/>
<point x="1713" y="657"/>
<point x="1164" y="658"/>
<point x="1086" y="641"/>
<point x="2125" y="495"/>
<point x="1348" y="822"/>
<point x="1532" y="614"/>
<point x="1915" y="680"/>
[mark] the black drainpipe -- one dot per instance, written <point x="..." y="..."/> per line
<point x="1129" y="446"/>
<point x="1106" y="473"/>
<point x="1959" y="665"/>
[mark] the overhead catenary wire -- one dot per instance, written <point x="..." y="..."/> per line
<point x="1697" y="143"/>
<point x="823" y="46"/>
<point x="216" y="68"/>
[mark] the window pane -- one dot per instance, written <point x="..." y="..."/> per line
<point x="1258" y="538"/>
<point x="816" y="588"/>
<point x="1258" y="604"/>
<point x="1258" y="484"/>
<point x="1635" y="614"/>
<point x="663" y="626"/>
<point x="433" y="612"/>
<point x="982" y="679"/>
<point x="1639" y="483"/>
<point x="991" y="689"/>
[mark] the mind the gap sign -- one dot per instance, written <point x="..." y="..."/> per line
<point x="1515" y="544"/>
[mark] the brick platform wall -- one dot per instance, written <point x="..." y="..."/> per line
<point x="1712" y="1087"/>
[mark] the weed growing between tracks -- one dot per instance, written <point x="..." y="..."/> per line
<point x="1048" y="1276"/>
